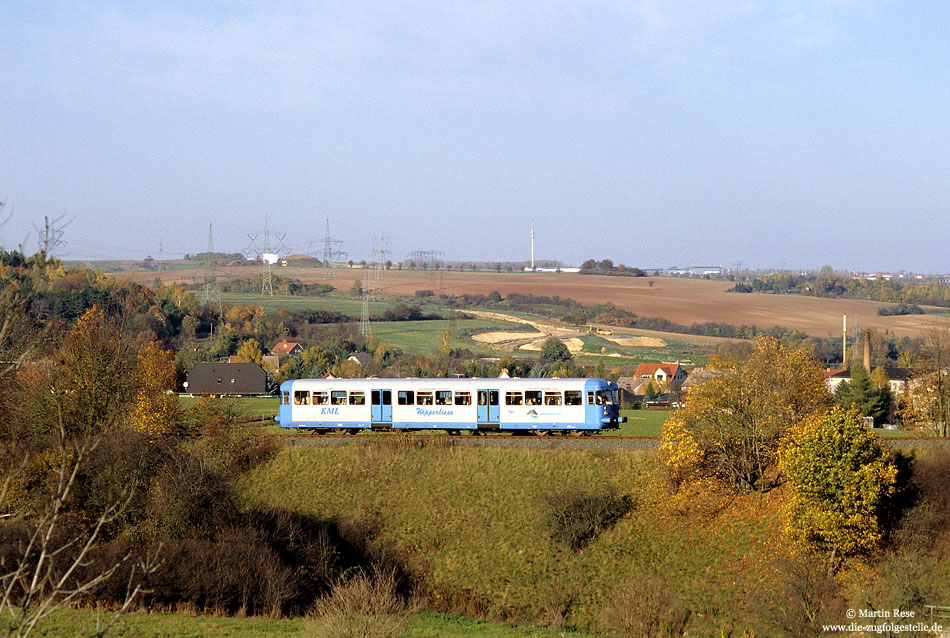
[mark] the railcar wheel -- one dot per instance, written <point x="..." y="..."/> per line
<point x="578" y="432"/>
<point x="541" y="432"/>
<point x="341" y="430"/>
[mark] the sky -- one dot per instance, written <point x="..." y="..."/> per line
<point x="784" y="134"/>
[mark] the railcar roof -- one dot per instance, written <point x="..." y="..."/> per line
<point x="490" y="382"/>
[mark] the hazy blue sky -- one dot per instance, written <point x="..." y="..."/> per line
<point x="795" y="133"/>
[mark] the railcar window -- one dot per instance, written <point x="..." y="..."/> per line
<point x="423" y="398"/>
<point x="443" y="397"/>
<point x="405" y="397"/>
<point x="590" y="398"/>
<point x="482" y="397"/>
<point x="285" y="397"/>
<point x="513" y="398"/>
<point x="552" y="398"/>
<point x="357" y="398"/>
<point x="301" y="397"/>
<point x="532" y="397"/>
<point x="321" y="398"/>
<point x="573" y="397"/>
<point x="338" y="397"/>
<point x="463" y="398"/>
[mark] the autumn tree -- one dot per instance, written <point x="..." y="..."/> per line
<point x="250" y="352"/>
<point x="91" y="388"/>
<point x="739" y="411"/>
<point x="841" y="480"/>
<point x="156" y="412"/>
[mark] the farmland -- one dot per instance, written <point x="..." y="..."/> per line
<point x="680" y="300"/>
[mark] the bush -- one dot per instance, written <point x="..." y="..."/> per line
<point x="188" y="496"/>
<point x="842" y="482"/>
<point x="238" y="572"/>
<point x="646" y="606"/>
<point x="363" y="606"/>
<point x="576" y="517"/>
<point x="802" y="595"/>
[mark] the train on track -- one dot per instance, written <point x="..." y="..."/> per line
<point x="525" y="406"/>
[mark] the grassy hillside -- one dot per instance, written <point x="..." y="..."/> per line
<point x="478" y="529"/>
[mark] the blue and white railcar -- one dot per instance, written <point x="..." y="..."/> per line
<point x="528" y="405"/>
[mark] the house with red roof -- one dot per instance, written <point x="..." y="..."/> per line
<point x="669" y="376"/>
<point x="666" y="378"/>
<point x="287" y="349"/>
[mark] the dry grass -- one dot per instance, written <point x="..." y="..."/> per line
<point x="362" y="606"/>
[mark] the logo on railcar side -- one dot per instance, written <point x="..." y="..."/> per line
<point x="329" y="410"/>
<point x="439" y="412"/>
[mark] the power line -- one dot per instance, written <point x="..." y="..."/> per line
<point x="372" y="275"/>
<point x="211" y="295"/>
<point x="51" y="236"/>
<point x="331" y="252"/>
<point x="268" y="254"/>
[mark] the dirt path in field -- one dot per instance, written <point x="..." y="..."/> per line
<point x="531" y="341"/>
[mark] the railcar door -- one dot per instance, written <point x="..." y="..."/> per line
<point x="382" y="406"/>
<point x="488" y="409"/>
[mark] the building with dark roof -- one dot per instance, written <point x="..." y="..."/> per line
<point x="227" y="378"/>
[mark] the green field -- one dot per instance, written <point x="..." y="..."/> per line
<point x="642" y="422"/>
<point x="336" y="303"/>
<point x="265" y="407"/>
<point x="75" y="622"/>
<point x="421" y="337"/>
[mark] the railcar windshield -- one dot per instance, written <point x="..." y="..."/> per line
<point x="607" y="397"/>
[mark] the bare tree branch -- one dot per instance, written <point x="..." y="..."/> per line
<point x="37" y="586"/>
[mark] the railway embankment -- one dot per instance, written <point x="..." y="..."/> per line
<point x="488" y="527"/>
<point x="596" y="443"/>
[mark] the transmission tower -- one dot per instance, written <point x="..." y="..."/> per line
<point x="211" y="295"/>
<point x="51" y="236"/>
<point x="267" y="252"/>
<point x="372" y="275"/>
<point x="429" y="259"/>
<point x="331" y="252"/>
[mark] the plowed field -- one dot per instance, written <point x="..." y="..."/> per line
<point x="683" y="301"/>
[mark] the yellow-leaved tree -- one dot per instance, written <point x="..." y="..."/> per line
<point x="841" y="480"/>
<point x="156" y="411"/>
<point x="250" y="352"/>
<point x="737" y="412"/>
